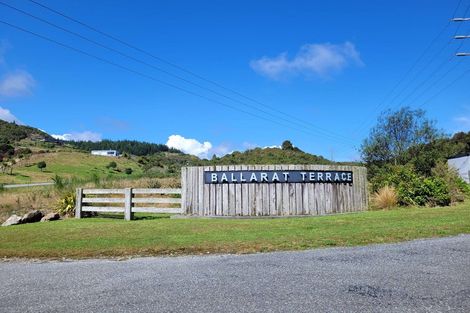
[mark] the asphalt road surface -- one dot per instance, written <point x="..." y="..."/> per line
<point x="419" y="276"/>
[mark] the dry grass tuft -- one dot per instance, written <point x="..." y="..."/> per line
<point x="385" y="198"/>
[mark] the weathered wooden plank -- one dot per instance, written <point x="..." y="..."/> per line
<point x="225" y="196"/>
<point x="271" y="195"/>
<point x="103" y="200"/>
<point x="154" y="200"/>
<point x="231" y="210"/>
<point x="102" y="191"/>
<point x="252" y="194"/>
<point x="245" y="210"/>
<point x="200" y="190"/>
<point x="184" y="186"/>
<point x="157" y="210"/>
<point x="78" y="203"/>
<point x="128" y="204"/>
<point x="278" y="194"/>
<point x="103" y="209"/>
<point x="238" y="196"/>
<point x="162" y="191"/>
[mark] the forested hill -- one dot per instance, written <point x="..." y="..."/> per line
<point x="133" y="147"/>
<point x="11" y="133"/>
<point x="270" y="156"/>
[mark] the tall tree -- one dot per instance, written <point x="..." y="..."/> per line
<point x="395" y="133"/>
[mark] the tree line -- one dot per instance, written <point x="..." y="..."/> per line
<point x="132" y="147"/>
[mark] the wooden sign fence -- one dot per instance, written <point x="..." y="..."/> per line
<point x="265" y="190"/>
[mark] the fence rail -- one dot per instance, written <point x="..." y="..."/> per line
<point x="86" y="201"/>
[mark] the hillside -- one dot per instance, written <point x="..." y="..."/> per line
<point x="269" y="156"/>
<point x="12" y="133"/>
<point x="22" y="148"/>
<point x="68" y="164"/>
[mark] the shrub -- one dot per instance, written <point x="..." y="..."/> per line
<point x="66" y="204"/>
<point x="458" y="189"/>
<point x="411" y="188"/>
<point x="59" y="182"/>
<point x="154" y="184"/>
<point x="128" y="171"/>
<point x="385" y="198"/>
<point x="111" y="164"/>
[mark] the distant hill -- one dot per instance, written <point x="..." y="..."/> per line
<point x="270" y="156"/>
<point x="11" y="133"/>
<point x="22" y="147"/>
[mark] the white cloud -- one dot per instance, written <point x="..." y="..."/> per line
<point x="190" y="146"/>
<point x="221" y="150"/>
<point x="321" y="60"/>
<point x="463" y="120"/>
<point x="79" y="136"/>
<point x="6" y="115"/>
<point x="17" y="83"/>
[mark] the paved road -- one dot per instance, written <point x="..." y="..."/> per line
<point x="419" y="276"/>
<point x="27" y="185"/>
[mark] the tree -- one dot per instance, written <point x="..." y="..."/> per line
<point x="287" y="145"/>
<point x="41" y="165"/>
<point x="395" y="133"/>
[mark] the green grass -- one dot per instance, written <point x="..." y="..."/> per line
<point x="67" y="164"/>
<point x="104" y="237"/>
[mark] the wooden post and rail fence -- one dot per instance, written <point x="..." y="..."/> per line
<point x="127" y="201"/>
<point x="241" y="190"/>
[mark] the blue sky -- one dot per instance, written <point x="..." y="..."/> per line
<point x="327" y="64"/>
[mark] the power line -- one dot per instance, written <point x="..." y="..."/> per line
<point x="318" y="129"/>
<point x="410" y="70"/>
<point x="446" y="87"/>
<point x="187" y="71"/>
<point x="145" y="75"/>
<point x="437" y="70"/>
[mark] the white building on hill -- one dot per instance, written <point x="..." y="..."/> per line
<point x="462" y="165"/>
<point x="109" y="153"/>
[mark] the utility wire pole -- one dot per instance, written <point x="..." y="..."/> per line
<point x="459" y="37"/>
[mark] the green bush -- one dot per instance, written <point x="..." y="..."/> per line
<point x="412" y="188"/>
<point x="458" y="189"/>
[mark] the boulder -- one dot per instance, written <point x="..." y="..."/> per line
<point x="32" y="217"/>
<point x="50" y="217"/>
<point x="12" y="220"/>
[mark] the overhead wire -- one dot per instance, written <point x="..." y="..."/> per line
<point x="192" y="73"/>
<point x="148" y="76"/>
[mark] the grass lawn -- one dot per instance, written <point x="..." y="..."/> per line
<point x="103" y="237"/>
<point x="67" y="164"/>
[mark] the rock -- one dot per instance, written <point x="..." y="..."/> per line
<point x="50" y="217"/>
<point x="12" y="220"/>
<point x="32" y="217"/>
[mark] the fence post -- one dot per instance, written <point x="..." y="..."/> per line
<point x="78" y="203"/>
<point x="128" y="204"/>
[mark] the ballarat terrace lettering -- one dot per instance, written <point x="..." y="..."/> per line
<point x="242" y="177"/>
